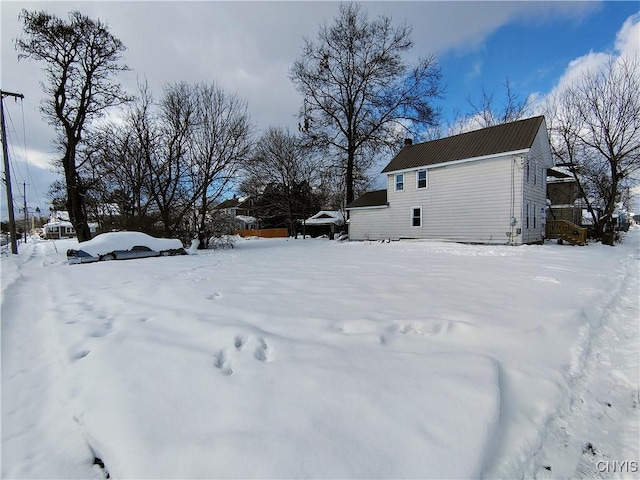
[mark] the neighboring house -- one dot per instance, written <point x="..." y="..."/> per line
<point x="325" y="222"/>
<point x="242" y="210"/>
<point x="484" y="186"/>
<point x="59" y="226"/>
<point x="564" y="196"/>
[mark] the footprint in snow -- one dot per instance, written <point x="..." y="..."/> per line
<point x="103" y="330"/>
<point x="215" y="296"/>
<point x="79" y="354"/>
<point x="239" y="342"/>
<point x="222" y="363"/>
<point x="262" y="353"/>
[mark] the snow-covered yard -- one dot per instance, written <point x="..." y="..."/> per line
<point x="318" y="359"/>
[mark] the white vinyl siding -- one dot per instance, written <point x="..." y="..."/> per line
<point x="471" y="200"/>
<point x="535" y="191"/>
<point x="467" y="202"/>
<point x="369" y="224"/>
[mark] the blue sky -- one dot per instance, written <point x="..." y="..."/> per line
<point x="533" y="54"/>
<point x="248" y="47"/>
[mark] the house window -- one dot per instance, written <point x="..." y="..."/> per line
<point x="526" y="223"/>
<point x="69" y="230"/>
<point x="534" y="215"/>
<point x="421" y="179"/>
<point x="399" y="182"/>
<point x="535" y="175"/>
<point x="416" y="216"/>
<point x="526" y="171"/>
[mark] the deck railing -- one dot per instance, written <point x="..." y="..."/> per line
<point x="565" y="230"/>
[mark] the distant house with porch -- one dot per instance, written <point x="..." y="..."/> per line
<point x="485" y="186"/>
<point x="59" y="226"/>
<point x="325" y="222"/>
<point x="242" y="210"/>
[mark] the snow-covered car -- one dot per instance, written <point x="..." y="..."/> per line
<point x="123" y="246"/>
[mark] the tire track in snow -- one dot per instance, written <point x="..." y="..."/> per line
<point x="33" y="388"/>
<point x="599" y="429"/>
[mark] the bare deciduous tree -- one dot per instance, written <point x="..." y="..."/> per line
<point x="595" y="133"/>
<point x="283" y="171"/>
<point x="169" y="164"/>
<point x="81" y="58"/>
<point x="164" y="160"/>
<point x="220" y="143"/>
<point x="487" y="114"/>
<point x="359" y="93"/>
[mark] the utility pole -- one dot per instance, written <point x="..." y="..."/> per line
<point x="7" y="175"/>
<point x="26" y="212"/>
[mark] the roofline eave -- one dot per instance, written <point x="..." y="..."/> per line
<point x="457" y="162"/>
<point x="368" y="207"/>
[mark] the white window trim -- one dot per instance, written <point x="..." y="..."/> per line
<point x="426" y="173"/>
<point x="411" y="216"/>
<point x="395" y="182"/>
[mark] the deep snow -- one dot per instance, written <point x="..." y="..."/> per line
<point x="312" y="358"/>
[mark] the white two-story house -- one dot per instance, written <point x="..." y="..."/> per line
<point x="485" y="186"/>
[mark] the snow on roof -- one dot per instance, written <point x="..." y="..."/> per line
<point x="59" y="216"/>
<point x="246" y="219"/>
<point x="326" y="217"/>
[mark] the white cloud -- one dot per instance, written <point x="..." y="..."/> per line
<point x="626" y="45"/>
<point x="248" y="47"/>
<point x="628" y="39"/>
<point x="578" y="67"/>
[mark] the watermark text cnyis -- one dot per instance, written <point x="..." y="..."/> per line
<point x="614" y="466"/>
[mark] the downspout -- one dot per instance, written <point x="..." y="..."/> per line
<point x="512" y="200"/>
<point x="523" y="165"/>
<point x="513" y="221"/>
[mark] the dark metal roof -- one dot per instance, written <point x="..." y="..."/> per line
<point x="508" y="137"/>
<point x="375" y="198"/>
<point x="230" y="203"/>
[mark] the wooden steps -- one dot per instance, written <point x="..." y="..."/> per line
<point x="566" y="231"/>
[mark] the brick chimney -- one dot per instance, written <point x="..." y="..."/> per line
<point x="408" y="142"/>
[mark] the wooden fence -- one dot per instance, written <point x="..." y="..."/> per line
<point x="264" y="233"/>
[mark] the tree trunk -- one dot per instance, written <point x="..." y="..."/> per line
<point x="75" y="197"/>
<point x="349" y="179"/>
<point x="203" y="235"/>
<point x="608" y="226"/>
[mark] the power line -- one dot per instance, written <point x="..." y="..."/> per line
<point x="12" y="221"/>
